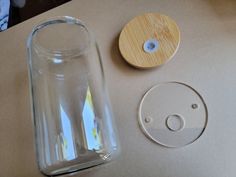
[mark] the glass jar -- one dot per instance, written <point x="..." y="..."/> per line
<point x="73" y="121"/>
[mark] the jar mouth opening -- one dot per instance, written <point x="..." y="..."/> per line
<point x="70" y="51"/>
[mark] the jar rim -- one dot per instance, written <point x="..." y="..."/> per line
<point x="72" y="52"/>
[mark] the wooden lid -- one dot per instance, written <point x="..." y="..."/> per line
<point x="149" y="40"/>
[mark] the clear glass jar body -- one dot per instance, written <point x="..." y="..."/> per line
<point x="72" y="116"/>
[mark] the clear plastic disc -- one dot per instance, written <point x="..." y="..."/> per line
<point x="173" y="114"/>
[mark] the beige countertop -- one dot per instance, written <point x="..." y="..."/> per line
<point x="205" y="60"/>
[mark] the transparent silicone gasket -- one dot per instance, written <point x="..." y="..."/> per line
<point x="173" y="114"/>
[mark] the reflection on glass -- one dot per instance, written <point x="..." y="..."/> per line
<point x="91" y="124"/>
<point x="66" y="136"/>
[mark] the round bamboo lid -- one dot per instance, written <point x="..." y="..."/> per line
<point x="149" y="40"/>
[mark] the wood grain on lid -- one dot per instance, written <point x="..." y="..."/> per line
<point x="150" y="26"/>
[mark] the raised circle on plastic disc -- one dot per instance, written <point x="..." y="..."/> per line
<point x="173" y="114"/>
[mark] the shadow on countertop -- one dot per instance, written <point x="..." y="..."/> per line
<point x="224" y="9"/>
